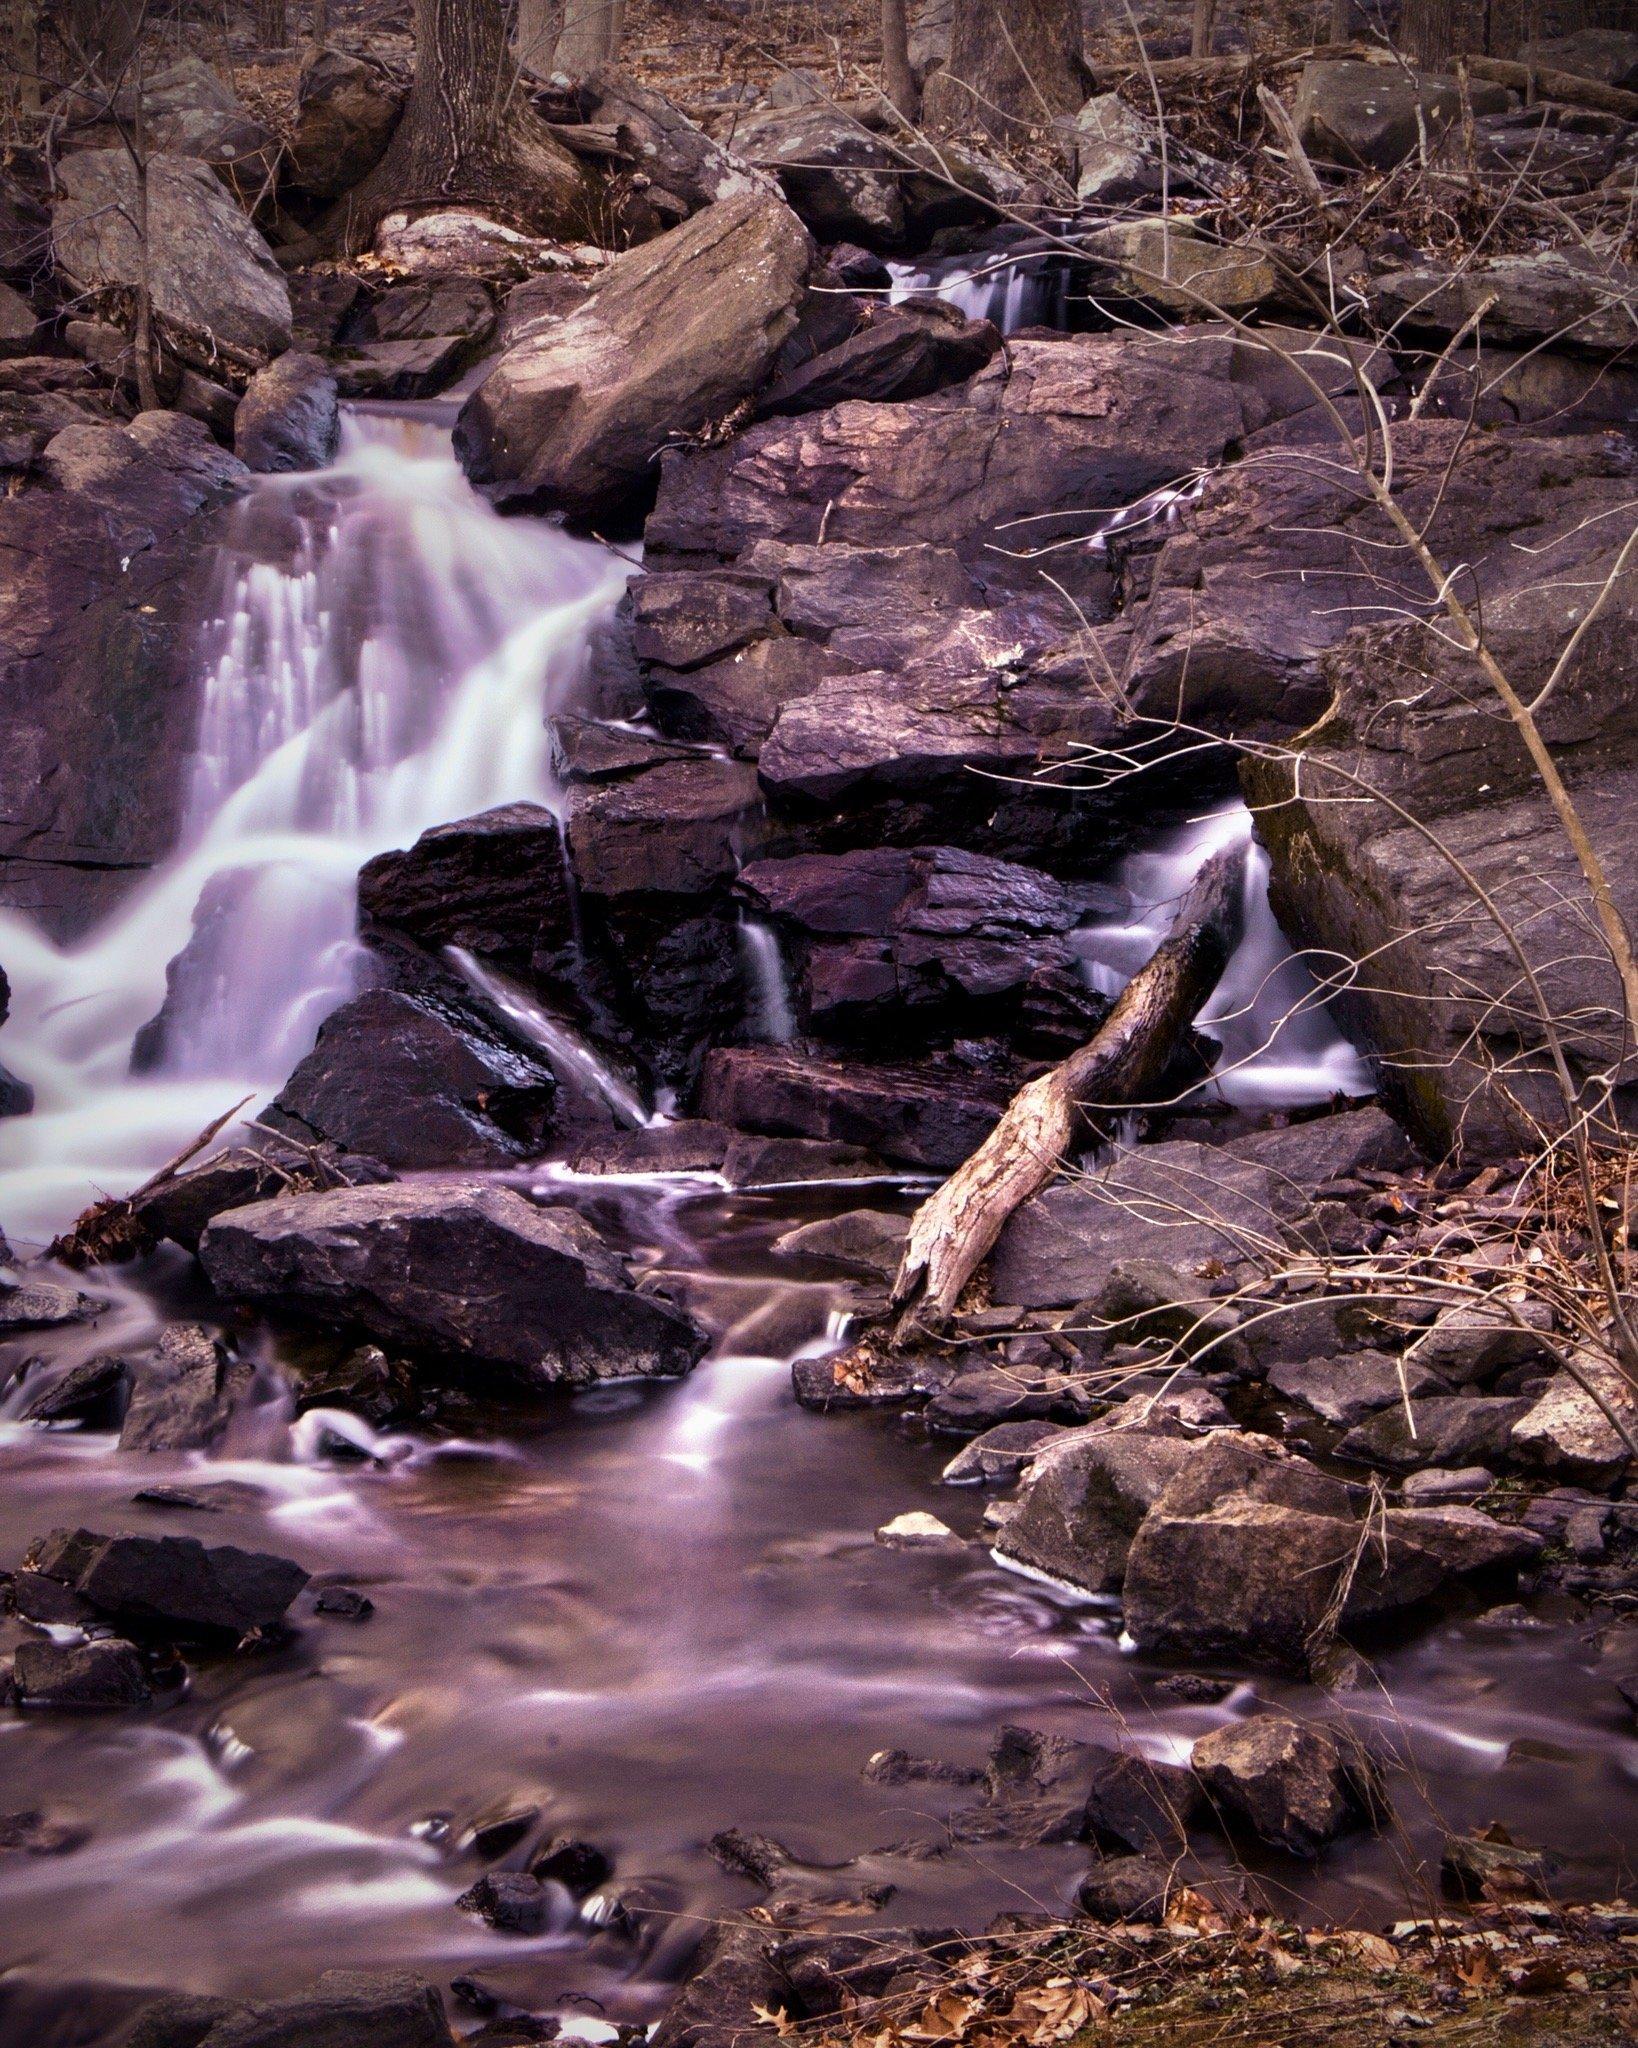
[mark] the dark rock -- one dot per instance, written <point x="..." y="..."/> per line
<point x="95" y="1675"/>
<point x="1375" y="114"/>
<point x="180" y="2019"/>
<point x="19" y="323"/>
<point x="179" y="1207"/>
<point x="580" y="1867"/>
<point x="322" y="302"/>
<point x="677" y="830"/>
<point x="931" y="1114"/>
<point x="511" y="1901"/>
<point x="1442" y="1429"/>
<point x="736" y="702"/>
<point x="686" y="621"/>
<point x="777" y="1162"/>
<point x="344" y="2009"/>
<point x="185" y="1394"/>
<point x="841" y="180"/>
<point x="899" y="1767"/>
<point x="733" y="1972"/>
<point x="1139" y="1805"/>
<point x="845" y="1381"/>
<point x="346" y="111"/>
<point x="868" y="1242"/>
<point x="1083" y="1499"/>
<point x="458" y="1269"/>
<point x="38" y="1305"/>
<point x="1035" y="1790"/>
<point x="1290" y="1781"/>
<point x="1349" y="1389"/>
<point x="980" y="1398"/>
<point x="495" y="1834"/>
<point x="494" y="884"/>
<point x="427" y="309"/>
<point x="894" y="354"/>
<point x="690" y="1145"/>
<point x="1127" y="1888"/>
<point x="1512" y="301"/>
<point x="46" y="1601"/>
<point x="32" y="1834"/>
<point x="400" y="369"/>
<point x="415" y="1085"/>
<point x="1000" y="1453"/>
<point x="834" y="1972"/>
<point x="287" y="418"/>
<point x="673" y="337"/>
<point x="172" y="1581"/>
<point x="1476" y="1340"/>
<point x="1609" y="55"/>
<point x="1146" y="1301"/>
<point x="344" y="1603"/>
<point x="92" y="1392"/>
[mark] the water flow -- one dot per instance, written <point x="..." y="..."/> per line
<point x="577" y="1065"/>
<point x="382" y="654"/>
<point x="770" y="1015"/>
<point x="1279" y="1048"/>
<point x="1013" y="292"/>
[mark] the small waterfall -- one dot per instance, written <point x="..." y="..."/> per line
<point x="1011" y="291"/>
<point x="578" y="1065"/>
<point x="381" y="654"/>
<point x="769" y="1011"/>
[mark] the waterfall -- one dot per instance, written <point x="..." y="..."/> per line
<point x="577" y="1065"/>
<point x="769" y="1010"/>
<point x="1011" y="291"/>
<point x="381" y="653"/>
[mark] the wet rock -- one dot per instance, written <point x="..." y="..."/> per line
<point x="1353" y="1387"/>
<point x="1139" y="1805"/>
<point x="400" y="369"/>
<point x="977" y="1398"/>
<point x="39" y="1599"/>
<point x="834" y="1972"/>
<point x="916" y="1531"/>
<point x="673" y="337"/>
<point x="1435" y="1486"/>
<point x="171" y="1581"/>
<point x="390" y="2009"/>
<point x="868" y="1242"/>
<point x="678" y="829"/>
<point x="1441" y="1429"/>
<point x="459" y="1270"/>
<point x="180" y="2019"/>
<point x="31" y="1834"/>
<point x="344" y="1603"/>
<point x="494" y="884"/>
<point x="179" y="1207"/>
<point x="899" y="1767"/>
<point x="208" y="269"/>
<point x="287" y="418"/>
<point x="690" y="1145"/>
<point x="736" y="702"/>
<point x="895" y="353"/>
<point x="847" y="1381"/>
<point x="733" y="1971"/>
<point x="1035" y="1790"/>
<point x="185" y="1393"/>
<point x="1290" y="1781"/>
<point x="511" y="1901"/>
<point x="1118" y="1889"/>
<point x="39" y="1305"/>
<point x="1474" y="1341"/>
<point x="414" y="1085"/>
<point x="1083" y="1499"/>
<point x="579" y="1866"/>
<point x="1356" y="113"/>
<point x="92" y="1392"/>
<point x="686" y="621"/>
<point x="102" y="1674"/>
<point x="931" y="1114"/>
<point x="1146" y="1301"/>
<point x="1569" y="1434"/>
<point x="1000" y="1453"/>
<point x="346" y="111"/>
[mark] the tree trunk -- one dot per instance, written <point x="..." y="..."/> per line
<point x="272" y="26"/>
<point x="468" y="135"/>
<point x="954" y="1231"/>
<point x="101" y="36"/>
<point x="1015" y="66"/>
<point x="534" y="39"/>
<point x="318" y="23"/>
<point x="898" y="80"/>
<point x="1205" y="14"/>
<point x="1428" y="32"/>
<point x="19" y="60"/>
<point x="590" y="35"/>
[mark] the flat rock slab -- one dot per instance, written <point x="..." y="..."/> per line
<point x="172" y="1581"/>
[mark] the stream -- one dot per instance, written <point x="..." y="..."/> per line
<point x="651" y="1612"/>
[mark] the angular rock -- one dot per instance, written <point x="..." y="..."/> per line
<point x="494" y="884"/>
<point x="38" y="1305"/>
<point x="208" y="269"/>
<point x="735" y="703"/>
<point x="427" y="308"/>
<point x="172" y="1581"/>
<point x="92" y="1392"/>
<point x="685" y="621"/>
<point x="732" y="1972"/>
<point x="1609" y="55"/>
<point x="190" y="110"/>
<point x="97" y="1675"/>
<point x="676" y="830"/>
<point x="1354" y="1386"/>
<point x="1035" y="1790"/>
<point x="185" y="1395"/>
<point x="511" y="1901"/>
<point x="1140" y="1805"/>
<point x="896" y="353"/>
<point x="1083" y="1499"/>
<point x="1551" y="294"/>
<point x="179" y="1207"/>
<point x="1120" y="1889"/>
<point x="844" y="183"/>
<point x="400" y="369"/>
<point x="674" y="336"/>
<point x="681" y="168"/>
<point x="1473" y="1341"/>
<point x="1569" y="1434"/>
<point x="978" y="1398"/>
<point x="417" y="1085"/>
<point x="1289" y="1781"/>
<point x="1355" y="113"/>
<point x="1441" y="1429"/>
<point x="1000" y="1453"/>
<point x="346" y="111"/>
<point x="868" y="1242"/>
<point x="287" y="418"/>
<point x="460" y="1270"/>
<point x="1145" y="1301"/>
<point x="344" y="2009"/>
<point x="1171" y="265"/>
<point x="456" y="241"/>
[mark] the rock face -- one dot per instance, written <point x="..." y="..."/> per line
<point x="494" y="884"/>
<point x="674" y="336"/>
<point x="287" y="418"/>
<point x="1289" y="1781"/>
<point x="389" y="2009"/>
<point x="346" y="111"/>
<point x="171" y="1581"/>
<point x="458" y="1271"/>
<point x="210" y="272"/>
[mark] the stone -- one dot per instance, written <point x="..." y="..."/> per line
<point x="179" y="1207"/>
<point x="1609" y="55"/>
<point x="512" y="1901"/>
<point x="678" y="829"/>
<point x="674" y="336"/>
<point x="1325" y="1148"/>
<point x="843" y="182"/>
<point x="732" y="1973"/>
<point x="580" y="1867"/>
<point x="92" y="1392"/>
<point x="425" y="309"/>
<point x="463" y="1271"/>
<point x="1118" y="155"/>
<point x="1127" y="1889"/>
<point x="171" y="1581"/>
<point x="1139" y="1805"/>
<point x="929" y="1114"/>
<point x="686" y="621"/>
<point x="287" y="418"/>
<point x="1549" y="294"/>
<point x="1145" y="1301"/>
<point x="19" y="323"/>
<point x="344" y="2009"/>
<point x="97" y="1675"/>
<point x="1351" y="1388"/>
<point x="894" y="354"/>
<point x="1436" y="1486"/>
<point x="31" y="1833"/>
<point x="1474" y="1341"/>
<point x="680" y="168"/>
<point x="1035" y="1789"/>
<point x="979" y="1397"/>
<point x="1000" y="1453"/>
<point x="1439" y="1429"/>
<point x="400" y="369"/>
<point x="494" y="884"/>
<point x="867" y="1242"/>
<point x="835" y="1972"/>
<point x="457" y="241"/>
<point x="208" y="269"/>
<point x="346" y="111"/>
<point x="1491" y="1866"/>
<point x="1290" y="1781"/>
<point x="39" y="1305"/>
<point x="190" y="110"/>
<point x="1082" y="1500"/>
<point x="185" y="1395"/>
<point x="1355" y="113"/>
<point x="1170" y="264"/>
<point x="344" y="1603"/>
<point x="843" y="1381"/>
<point x="1568" y="1434"/>
<point x="916" y="1530"/>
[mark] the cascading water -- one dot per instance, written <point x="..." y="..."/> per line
<point x="1011" y="291"/>
<point x="769" y="1011"/>
<point x="383" y="656"/>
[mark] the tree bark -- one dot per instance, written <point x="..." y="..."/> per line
<point x="272" y="25"/>
<point x="318" y="23"/>
<point x="1428" y="31"/>
<point x="898" y="80"/>
<point x="19" y="59"/>
<point x="534" y="39"/>
<point x="1205" y="14"/>
<point x="590" y="35"/>
<point x="469" y="135"/>
<point x="1015" y="66"/>
<point x="954" y="1231"/>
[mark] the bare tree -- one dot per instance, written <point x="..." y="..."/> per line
<point x="272" y="25"/>
<point x="101" y="35"/>
<point x="1015" y="65"/>
<point x="19" y="59"/>
<point x="898" y="80"/>
<point x="1429" y="29"/>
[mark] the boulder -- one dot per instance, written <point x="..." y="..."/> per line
<point x="185" y="1393"/>
<point x="344" y="2009"/>
<point x="1570" y="1435"/>
<point x="929" y="1114"/>
<point x="1561" y="295"/>
<point x="1035" y="1790"/>
<point x="1125" y="1890"/>
<point x="178" y="1207"/>
<point x="494" y="884"/>
<point x="415" y="1084"/>
<point x="460" y="1271"/>
<point x="190" y="110"/>
<point x="1172" y="265"/>
<point x="209" y="271"/>
<point x="92" y="1392"/>
<point x="1082" y="1499"/>
<point x="677" y="829"/>
<point x="686" y="621"/>
<point x="674" y="336"/>
<point x="1439" y="1429"/>
<point x="679" y="168"/>
<point x="455" y="241"/>
<point x="732" y="1973"/>
<point x="735" y="703"/>
<point x="424" y="309"/>
<point x="1355" y="1385"/>
<point x="895" y="353"/>
<point x="400" y="369"/>
<point x="1475" y="1340"/>
<point x="1290" y="1782"/>
<point x="1118" y="153"/>
<point x="511" y="1901"/>
<point x="19" y="323"/>
<point x="38" y="1305"/>
<point x="100" y="1674"/>
<point x="171" y="1582"/>
<point x="346" y="111"/>
<point x="1138" y="1805"/>
<point x="287" y="418"/>
<point x="843" y="182"/>
<point x="999" y="1454"/>
<point x="867" y="1242"/>
<point x="1356" y="113"/>
<point x="1609" y="55"/>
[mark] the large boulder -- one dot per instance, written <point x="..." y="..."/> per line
<point x="346" y="111"/>
<point x="171" y="1581"/>
<point x="676" y="829"/>
<point x="190" y="110"/>
<point x="1292" y="1782"/>
<point x="679" y="168"/>
<point x="845" y="183"/>
<point x="462" y="1272"/>
<point x="288" y="418"/>
<point x="674" y="336"/>
<point x="1356" y="113"/>
<point x="1082" y="1500"/>
<point x="495" y="884"/>
<point x="1609" y="55"/>
<point x="1561" y="295"/>
<point x="210" y="273"/>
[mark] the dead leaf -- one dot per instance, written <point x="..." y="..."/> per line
<point x="1373" y="1950"/>
<point x="775" y="2017"/>
<point x="1055" y="2010"/>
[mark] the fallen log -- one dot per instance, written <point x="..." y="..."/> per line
<point x="954" y="1230"/>
<point x="1567" y="86"/>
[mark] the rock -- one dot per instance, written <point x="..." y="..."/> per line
<point x="1289" y="1781"/>
<point x="1082" y="1500"/>
<point x="843" y="182"/>
<point x="1435" y="1486"/>
<point x="1549" y="294"/>
<point x="389" y="2009"/>
<point x="1172" y="265"/>
<point x="1035" y="1790"/>
<point x="1568" y="1434"/>
<point x="426" y="309"/>
<point x="835" y="1972"/>
<point x="686" y="621"/>
<point x="171" y="1581"/>
<point x="844" y="1381"/>
<point x="1121" y="1889"/>
<point x="344" y="1603"/>
<point x="511" y="1901"/>
<point x="31" y="1834"/>
<point x="400" y="369"/>
<point x="1474" y="1341"/>
<point x="1609" y="55"/>
<point x="494" y="884"/>
<point x="580" y="1867"/>
<point x="1491" y="1866"/>
<point x="690" y="1145"/>
<point x="1000" y="1453"/>
<point x="19" y="323"/>
<point x="455" y="241"/>
<point x="1140" y="1806"/>
<point x="1117" y="151"/>
<point x="868" y="1242"/>
<point x="976" y="1398"/>
<point x="1355" y="113"/>
<point x="931" y="1114"/>
<point x="38" y="1305"/>
<point x="916" y="1531"/>
<point x="92" y="1392"/>
<point x="681" y="169"/>
<point x="894" y="354"/>
<point x="1192" y="1206"/>
<point x="674" y="336"/>
<point x="1461" y="1539"/>
<point x="191" y="111"/>
<point x="1324" y="1148"/>
<point x="287" y="418"/>
<point x="1351" y="1388"/>
<point x="732" y="1973"/>
<point x="346" y="111"/>
<point x="676" y="829"/>
<point x="100" y="1674"/>
<point x="178" y="1208"/>
<point x="461" y="1270"/>
<point x="775" y="1162"/>
<point x="1440" y="1429"/>
<point x="185" y="1395"/>
<point x="1146" y="1301"/>
<point x="208" y="269"/>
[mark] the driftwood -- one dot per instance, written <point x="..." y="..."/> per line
<point x="954" y="1230"/>
<point x="108" y="1231"/>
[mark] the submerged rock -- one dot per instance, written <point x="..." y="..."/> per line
<point x="458" y="1272"/>
<point x="102" y="1674"/>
